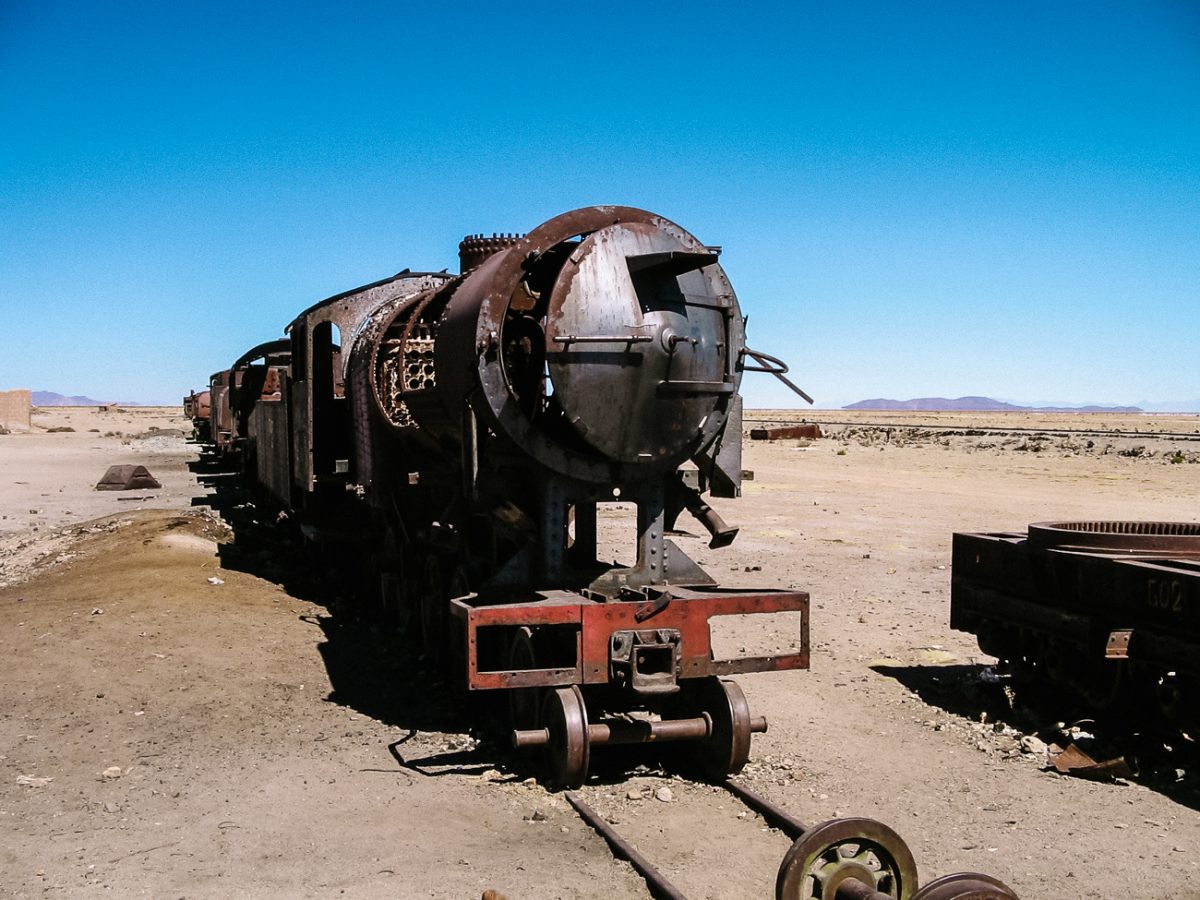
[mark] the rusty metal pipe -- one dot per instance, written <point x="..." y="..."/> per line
<point x="659" y="885"/>
<point x="721" y="533"/>
<point x="623" y="731"/>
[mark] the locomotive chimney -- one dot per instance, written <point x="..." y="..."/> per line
<point x="475" y="248"/>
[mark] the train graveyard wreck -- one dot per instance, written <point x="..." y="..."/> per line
<point x="464" y="433"/>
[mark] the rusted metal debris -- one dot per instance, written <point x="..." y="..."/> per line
<point x="127" y="478"/>
<point x="808" y="431"/>
<point x="1073" y="761"/>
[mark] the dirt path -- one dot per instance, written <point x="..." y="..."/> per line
<point x="246" y="739"/>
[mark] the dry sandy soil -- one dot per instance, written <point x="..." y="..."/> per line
<point x="162" y="735"/>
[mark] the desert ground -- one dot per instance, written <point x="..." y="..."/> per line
<point x="192" y="708"/>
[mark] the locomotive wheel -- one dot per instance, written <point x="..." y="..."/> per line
<point x="433" y="609"/>
<point x="567" y="755"/>
<point x="965" y="886"/>
<point x="839" y="850"/>
<point x="524" y="704"/>
<point x="727" y="749"/>
<point x="390" y="584"/>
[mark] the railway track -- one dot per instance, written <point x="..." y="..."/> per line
<point x="990" y="429"/>
<point x="840" y="859"/>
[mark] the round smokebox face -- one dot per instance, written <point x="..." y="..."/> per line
<point x="636" y="342"/>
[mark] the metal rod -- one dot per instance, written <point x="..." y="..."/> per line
<point x="622" y="731"/>
<point x="566" y="339"/>
<point x="659" y="886"/>
<point x="853" y="889"/>
<point x="764" y="361"/>
<point x="776" y="816"/>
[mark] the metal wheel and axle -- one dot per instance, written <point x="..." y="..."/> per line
<point x="721" y="728"/>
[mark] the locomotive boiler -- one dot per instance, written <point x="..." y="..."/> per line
<point x="467" y="437"/>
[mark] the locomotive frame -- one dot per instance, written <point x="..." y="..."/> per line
<point x="460" y="433"/>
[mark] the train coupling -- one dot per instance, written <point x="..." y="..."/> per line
<point x="645" y="662"/>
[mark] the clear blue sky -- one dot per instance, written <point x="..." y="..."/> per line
<point x="914" y="199"/>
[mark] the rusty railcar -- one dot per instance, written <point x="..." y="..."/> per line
<point x="469" y="435"/>
<point x="197" y="407"/>
<point x="1110" y="610"/>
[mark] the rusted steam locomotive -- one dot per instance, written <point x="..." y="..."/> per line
<point x="467" y="432"/>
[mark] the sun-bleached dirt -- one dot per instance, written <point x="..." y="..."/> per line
<point x="190" y="710"/>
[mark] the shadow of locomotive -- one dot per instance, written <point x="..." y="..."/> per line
<point x="1163" y="758"/>
<point x="374" y="668"/>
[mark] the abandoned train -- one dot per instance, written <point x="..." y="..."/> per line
<point x="1110" y="610"/>
<point x="463" y="431"/>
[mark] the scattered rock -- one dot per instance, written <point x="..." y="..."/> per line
<point x="1032" y="744"/>
<point x="112" y="772"/>
<point x="34" y="780"/>
<point x="664" y="794"/>
<point x="215" y="580"/>
<point x="633" y="794"/>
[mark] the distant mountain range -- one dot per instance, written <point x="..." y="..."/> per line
<point x="979" y="404"/>
<point x="49" y="398"/>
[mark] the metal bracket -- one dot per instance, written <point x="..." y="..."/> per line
<point x="1118" y="644"/>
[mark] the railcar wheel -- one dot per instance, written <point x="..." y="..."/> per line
<point x="840" y="850"/>
<point x="524" y="704"/>
<point x="564" y="715"/>
<point x="966" y="886"/>
<point x="728" y="747"/>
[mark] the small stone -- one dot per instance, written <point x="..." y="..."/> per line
<point x="1032" y="744"/>
<point x="633" y="794"/>
<point x="664" y="794"/>
<point x="564" y="829"/>
<point x="111" y="807"/>
<point x="215" y="580"/>
<point x="112" y="772"/>
<point x="97" y="611"/>
<point x="538" y="816"/>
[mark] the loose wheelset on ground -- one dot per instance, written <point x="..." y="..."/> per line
<point x="840" y="851"/>
<point x="861" y="859"/>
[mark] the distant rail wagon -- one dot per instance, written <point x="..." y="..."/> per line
<point x="1108" y="609"/>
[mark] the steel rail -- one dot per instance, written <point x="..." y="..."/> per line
<point x="986" y="429"/>
<point x="774" y="815"/>
<point x="622" y="849"/>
